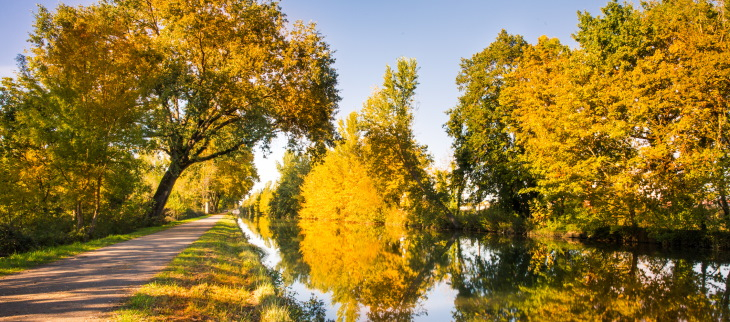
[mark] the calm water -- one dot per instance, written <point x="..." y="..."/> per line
<point x="365" y="272"/>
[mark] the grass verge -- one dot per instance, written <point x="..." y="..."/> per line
<point x="22" y="261"/>
<point x="220" y="277"/>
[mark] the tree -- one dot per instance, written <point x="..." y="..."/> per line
<point x="287" y="198"/>
<point x="485" y="147"/>
<point x="72" y="114"/>
<point x="394" y="158"/>
<point x="570" y="144"/>
<point x="229" y="76"/>
<point x="340" y="187"/>
<point x="217" y="183"/>
<point x="680" y="112"/>
<point x="636" y="114"/>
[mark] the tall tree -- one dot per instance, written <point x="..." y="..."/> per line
<point x="397" y="162"/>
<point x="636" y="114"/>
<point x="485" y="147"/>
<point x="77" y="109"/>
<point x="340" y="186"/>
<point x="230" y="76"/>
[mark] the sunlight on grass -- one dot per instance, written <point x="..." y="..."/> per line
<point x="219" y="277"/>
<point x="19" y="262"/>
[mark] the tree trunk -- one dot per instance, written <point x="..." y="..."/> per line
<point x="724" y="205"/>
<point x="159" y="200"/>
<point x="79" y="216"/>
<point x="723" y="202"/>
<point x="97" y="207"/>
<point x="215" y="201"/>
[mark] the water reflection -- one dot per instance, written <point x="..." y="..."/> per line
<point x="383" y="273"/>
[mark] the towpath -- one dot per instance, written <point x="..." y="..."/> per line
<point x="87" y="286"/>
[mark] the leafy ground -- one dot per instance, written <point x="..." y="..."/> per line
<point x="22" y="261"/>
<point x="219" y="277"/>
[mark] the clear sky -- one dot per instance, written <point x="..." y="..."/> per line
<point x="367" y="35"/>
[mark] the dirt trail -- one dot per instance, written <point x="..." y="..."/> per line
<point x="87" y="286"/>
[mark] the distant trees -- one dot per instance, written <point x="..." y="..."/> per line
<point x="214" y="185"/>
<point x="286" y="199"/>
<point x="629" y="129"/>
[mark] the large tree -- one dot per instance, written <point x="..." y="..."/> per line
<point x="485" y="147"/>
<point x="230" y="75"/>
<point x="395" y="159"/>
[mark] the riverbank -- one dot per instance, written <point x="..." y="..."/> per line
<point x="626" y="235"/>
<point x="512" y="225"/>
<point x="22" y="261"/>
<point x="219" y="277"/>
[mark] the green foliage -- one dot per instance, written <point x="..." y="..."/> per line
<point x="485" y="150"/>
<point x="228" y="75"/>
<point x="213" y="186"/>
<point x="107" y="85"/>
<point x="69" y="125"/>
<point x="286" y="200"/>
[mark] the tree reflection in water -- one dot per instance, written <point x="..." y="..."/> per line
<point x="384" y="273"/>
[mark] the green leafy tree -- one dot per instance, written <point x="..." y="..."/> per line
<point x="72" y="114"/>
<point x="485" y="147"/>
<point x="287" y="198"/>
<point x="210" y="186"/>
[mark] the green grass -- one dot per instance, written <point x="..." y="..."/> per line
<point x="220" y="277"/>
<point x="22" y="261"/>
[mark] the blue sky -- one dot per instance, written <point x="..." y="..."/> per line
<point x="367" y="35"/>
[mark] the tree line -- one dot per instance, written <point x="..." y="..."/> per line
<point x="118" y="101"/>
<point x="127" y="107"/>
<point x="628" y="129"/>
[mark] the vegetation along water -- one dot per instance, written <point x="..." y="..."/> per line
<point x="385" y="273"/>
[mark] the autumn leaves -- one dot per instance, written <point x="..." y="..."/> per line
<point x="630" y="128"/>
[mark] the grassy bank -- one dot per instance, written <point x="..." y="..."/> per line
<point x="219" y="277"/>
<point x="22" y="261"/>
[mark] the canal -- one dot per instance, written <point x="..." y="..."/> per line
<point x="381" y="273"/>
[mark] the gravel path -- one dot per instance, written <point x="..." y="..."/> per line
<point x="87" y="286"/>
